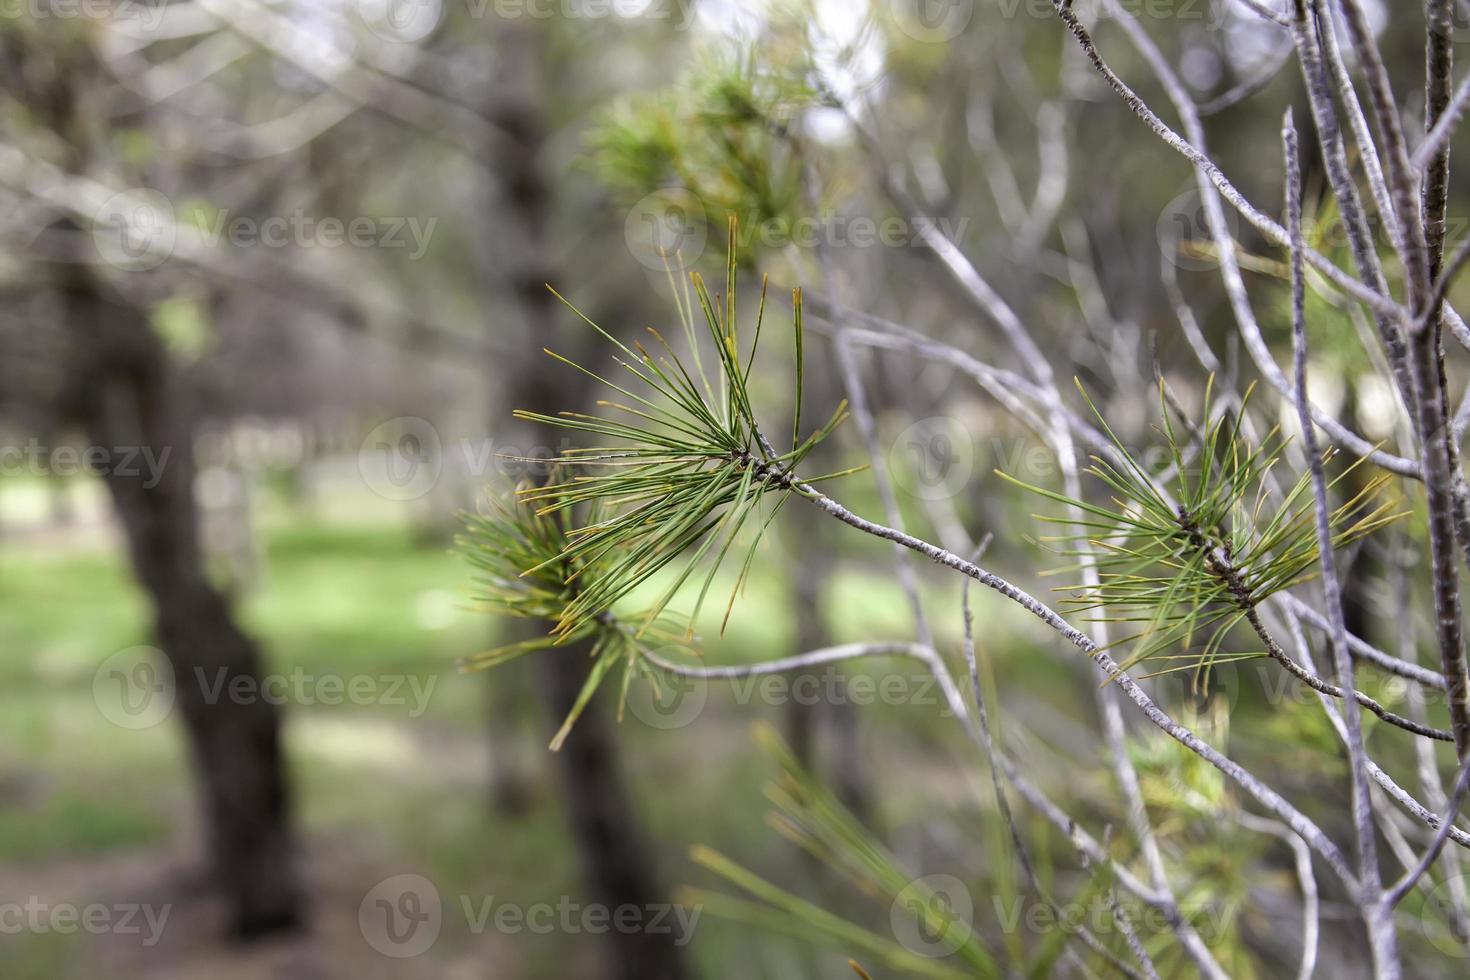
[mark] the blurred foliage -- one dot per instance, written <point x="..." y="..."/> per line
<point x="809" y="815"/>
<point x="730" y="122"/>
<point x="721" y="133"/>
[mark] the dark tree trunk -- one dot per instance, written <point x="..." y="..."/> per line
<point x="616" y="862"/>
<point x="126" y="396"/>
<point x="811" y="633"/>
<point x="831" y="718"/>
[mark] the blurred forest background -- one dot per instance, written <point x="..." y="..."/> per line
<point x="273" y="280"/>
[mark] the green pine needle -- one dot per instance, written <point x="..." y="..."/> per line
<point x="1185" y="573"/>
<point x="522" y="573"/>
<point x="680" y="470"/>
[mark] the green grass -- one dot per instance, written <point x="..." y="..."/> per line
<point x="38" y="956"/>
<point x="74" y="821"/>
<point x="351" y="599"/>
<point x="61" y="613"/>
<point x="374" y="606"/>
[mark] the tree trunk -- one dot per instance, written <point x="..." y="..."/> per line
<point x="128" y="398"/>
<point x="832" y="720"/>
<point x="811" y="634"/>
<point x="618" y="866"/>
<point x="616" y="862"/>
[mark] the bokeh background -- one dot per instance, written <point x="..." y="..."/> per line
<point x="298" y="248"/>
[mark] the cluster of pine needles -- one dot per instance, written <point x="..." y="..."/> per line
<point x="524" y="573"/>
<point x="682" y="470"/>
<point x="1178" y="574"/>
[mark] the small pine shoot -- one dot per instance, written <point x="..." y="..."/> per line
<point x="1180" y="567"/>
